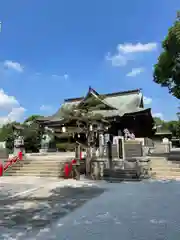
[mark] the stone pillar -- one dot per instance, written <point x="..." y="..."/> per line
<point x="101" y="144"/>
<point x="78" y="151"/>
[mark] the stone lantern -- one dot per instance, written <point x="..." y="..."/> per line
<point x="18" y="139"/>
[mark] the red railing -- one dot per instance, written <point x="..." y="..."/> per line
<point x="68" y="167"/>
<point x="10" y="163"/>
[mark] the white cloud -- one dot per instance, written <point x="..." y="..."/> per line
<point x="147" y="100"/>
<point x="12" y="106"/>
<point x="6" y="101"/>
<point x="117" y="60"/>
<point x="65" y="76"/>
<point x="126" y="52"/>
<point x="159" y="115"/>
<point x="138" y="47"/>
<point x="45" y="108"/>
<point x="55" y="75"/>
<point x="38" y="74"/>
<point x="135" y="71"/>
<point x="15" y="115"/>
<point x="13" y="65"/>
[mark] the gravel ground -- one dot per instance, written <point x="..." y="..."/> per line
<point x="26" y="208"/>
<point x="9" y="190"/>
<point x="73" y="210"/>
<point x="147" y="210"/>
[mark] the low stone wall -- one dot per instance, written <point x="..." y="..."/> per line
<point x="139" y="164"/>
<point x="161" y="148"/>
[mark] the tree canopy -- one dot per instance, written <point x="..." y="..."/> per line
<point x="171" y="126"/>
<point x="167" y="68"/>
<point x="31" y="132"/>
<point x="32" y="118"/>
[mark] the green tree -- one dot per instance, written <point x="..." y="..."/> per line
<point x="158" y="121"/>
<point x="6" y="134"/>
<point x="32" y="134"/>
<point x="5" y="131"/>
<point x="84" y="117"/>
<point x="32" y="118"/>
<point x="178" y="129"/>
<point x="32" y="137"/>
<point x="167" y="68"/>
<point x="172" y="126"/>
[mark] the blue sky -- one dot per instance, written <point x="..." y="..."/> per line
<point x="51" y="50"/>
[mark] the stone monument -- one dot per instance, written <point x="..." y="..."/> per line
<point x="45" y="140"/>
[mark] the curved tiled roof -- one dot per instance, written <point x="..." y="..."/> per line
<point x="119" y="103"/>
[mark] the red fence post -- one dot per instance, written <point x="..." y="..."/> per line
<point x="1" y="169"/>
<point x="20" y="156"/>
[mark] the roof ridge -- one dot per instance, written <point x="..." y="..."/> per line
<point x="106" y="95"/>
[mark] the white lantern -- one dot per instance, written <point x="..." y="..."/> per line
<point x="90" y="128"/>
<point x="63" y="129"/>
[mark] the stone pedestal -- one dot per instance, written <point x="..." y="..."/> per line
<point x="17" y="150"/>
<point x="45" y="143"/>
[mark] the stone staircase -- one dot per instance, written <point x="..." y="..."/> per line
<point x="42" y="167"/>
<point x="163" y="169"/>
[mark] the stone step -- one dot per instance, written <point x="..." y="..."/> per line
<point x="35" y="174"/>
<point x="37" y="170"/>
<point x="44" y="163"/>
<point x="33" y="170"/>
<point x="162" y="168"/>
<point x="175" y="165"/>
<point x="49" y="163"/>
<point x="156" y="159"/>
<point x="50" y="160"/>
<point x="160" y="165"/>
<point x="165" y="177"/>
<point x="165" y="165"/>
<point x="36" y="167"/>
<point x="159" y="162"/>
<point x="165" y="173"/>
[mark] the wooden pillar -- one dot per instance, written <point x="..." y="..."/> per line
<point x="88" y="155"/>
<point x="77" y="151"/>
<point x="109" y="149"/>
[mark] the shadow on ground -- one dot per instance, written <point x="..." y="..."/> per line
<point x="14" y="214"/>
